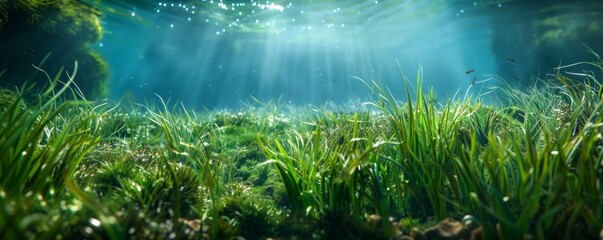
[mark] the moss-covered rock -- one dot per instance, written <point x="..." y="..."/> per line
<point x="62" y="28"/>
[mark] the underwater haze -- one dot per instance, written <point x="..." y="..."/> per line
<point x="217" y="54"/>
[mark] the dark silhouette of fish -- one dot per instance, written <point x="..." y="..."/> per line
<point x="473" y="81"/>
<point x="510" y="60"/>
<point x="469" y="71"/>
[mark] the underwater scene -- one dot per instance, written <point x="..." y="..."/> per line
<point x="311" y="119"/>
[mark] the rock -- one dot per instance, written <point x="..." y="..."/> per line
<point x="51" y="35"/>
<point x="448" y="229"/>
<point x="469" y="222"/>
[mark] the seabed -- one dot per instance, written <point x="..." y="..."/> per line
<point x="409" y="168"/>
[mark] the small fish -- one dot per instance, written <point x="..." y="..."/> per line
<point x="516" y="78"/>
<point x="473" y="81"/>
<point x="470" y="71"/>
<point x="510" y="60"/>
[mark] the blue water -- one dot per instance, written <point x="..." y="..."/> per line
<point x="217" y="54"/>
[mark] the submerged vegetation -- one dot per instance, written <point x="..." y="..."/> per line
<point x="529" y="168"/>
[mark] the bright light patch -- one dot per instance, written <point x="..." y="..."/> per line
<point x="223" y="6"/>
<point x="95" y="222"/>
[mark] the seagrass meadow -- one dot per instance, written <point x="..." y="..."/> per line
<point x="526" y="167"/>
<point x="307" y="119"/>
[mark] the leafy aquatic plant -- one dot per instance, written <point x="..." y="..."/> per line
<point x="42" y="146"/>
<point x="522" y="170"/>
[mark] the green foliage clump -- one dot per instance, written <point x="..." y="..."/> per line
<point x="249" y="215"/>
<point x="42" y="146"/>
<point x="531" y="168"/>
